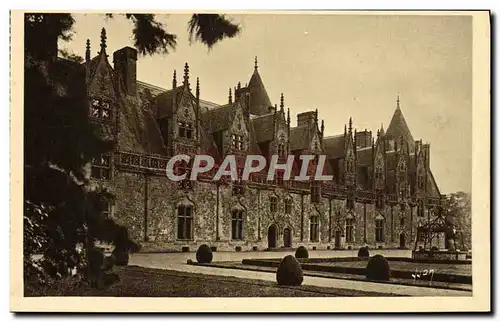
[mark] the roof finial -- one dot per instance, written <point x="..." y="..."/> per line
<point x="350" y="124"/>
<point x="322" y="127"/>
<point x="230" y="96"/>
<point x="288" y="116"/>
<point x="316" y="116"/>
<point x="87" y="51"/>
<point x="256" y="65"/>
<point x="103" y="40"/>
<point x="174" y="80"/>
<point x="282" y="102"/>
<point x="397" y="102"/>
<point x="197" y="87"/>
<point x="186" y="75"/>
<point x="239" y="85"/>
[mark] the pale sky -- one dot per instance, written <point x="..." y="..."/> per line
<point x="343" y="65"/>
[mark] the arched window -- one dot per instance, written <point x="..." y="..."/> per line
<point x="185" y="222"/>
<point x="237" y="224"/>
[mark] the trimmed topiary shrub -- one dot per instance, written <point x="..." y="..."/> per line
<point x="190" y="261"/>
<point x="328" y="247"/>
<point x="237" y="248"/>
<point x="185" y="249"/>
<point x="301" y="252"/>
<point x="204" y="254"/>
<point x="434" y="248"/>
<point x="314" y="247"/>
<point x="289" y="272"/>
<point x="121" y="257"/>
<point x="363" y="252"/>
<point x="213" y="249"/>
<point x="255" y="248"/>
<point x="349" y="247"/>
<point x="378" y="269"/>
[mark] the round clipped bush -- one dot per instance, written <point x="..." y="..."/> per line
<point x="434" y="248"/>
<point x="363" y="252"/>
<point x="378" y="269"/>
<point x="204" y="254"/>
<point x="301" y="252"/>
<point x="190" y="261"/>
<point x="289" y="272"/>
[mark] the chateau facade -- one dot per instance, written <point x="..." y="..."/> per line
<point x="382" y="187"/>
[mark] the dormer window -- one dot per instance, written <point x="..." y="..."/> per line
<point x="100" y="109"/>
<point x="185" y="130"/>
<point x="237" y="142"/>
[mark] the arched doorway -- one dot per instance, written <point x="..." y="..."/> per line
<point x="271" y="236"/>
<point x="287" y="237"/>
<point x="402" y="241"/>
<point x="337" y="239"/>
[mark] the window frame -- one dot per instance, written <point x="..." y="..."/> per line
<point x="237" y="224"/>
<point x="101" y="167"/>
<point x="379" y="231"/>
<point x="314" y="228"/>
<point x="100" y="106"/>
<point x="273" y="203"/>
<point x="288" y="206"/>
<point x="187" y="217"/>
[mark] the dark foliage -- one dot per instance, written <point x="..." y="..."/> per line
<point x="204" y="254"/>
<point x="62" y="218"/>
<point x="301" y="252"/>
<point x="378" y="269"/>
<point x="190" y="261"/>
<point x="211" y="28"/>
<point x="289" y="272"/>
<point x="363" y="252"/>
<point x="150" y="36"/>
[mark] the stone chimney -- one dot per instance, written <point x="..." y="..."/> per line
<point x="306" y="118"/>
<point x="125" y="64"/>
<point x="363" y="139"/>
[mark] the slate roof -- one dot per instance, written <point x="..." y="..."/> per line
<point x="263" y="127"/>
<point x="398" y="127"/>
<point x="299" y="138"/>
<point x="259" y="100"/>
<point x="218" y="119"/>
<point x="334" y="146"/>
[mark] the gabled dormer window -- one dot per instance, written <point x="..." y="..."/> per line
<point x="100" y="109"/>
<point x="237" y="142"/>
<point x="185" y="130"/>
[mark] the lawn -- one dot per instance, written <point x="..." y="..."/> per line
<point x="458" y="269"/>
<point x="147" y="282"/>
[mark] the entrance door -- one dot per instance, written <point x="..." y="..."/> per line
<point x="337" y="239"/>
<point x="271" y="237"/>
<point x="287" y="238"/>
<point x="402" y="241"/>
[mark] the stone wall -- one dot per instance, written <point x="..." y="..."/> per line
<point x="147" y="205"/>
